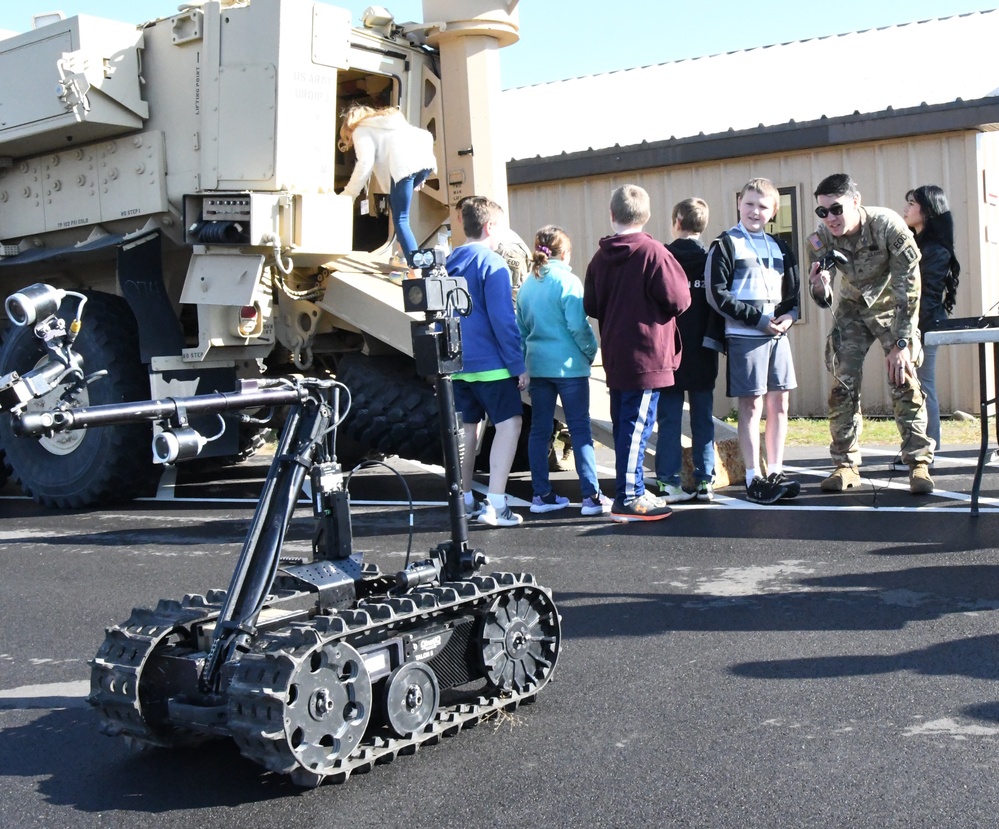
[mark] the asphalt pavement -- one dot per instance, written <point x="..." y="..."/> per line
<point x="829" y="661"/>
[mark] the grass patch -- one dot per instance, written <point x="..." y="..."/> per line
<point x="878" y="431"/>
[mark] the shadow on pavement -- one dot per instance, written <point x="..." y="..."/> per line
<point x="94" y="774"/>
<point x="852" y="602"/>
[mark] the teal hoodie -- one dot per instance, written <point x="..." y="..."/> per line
<point x="554" y="331"/>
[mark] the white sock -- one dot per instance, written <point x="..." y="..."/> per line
<point x="777" y="469"/>
<point x="498" y="501"/>
<point x="469" y="500"/>
<point x="750" y="474"/>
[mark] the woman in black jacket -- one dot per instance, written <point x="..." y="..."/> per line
<point x="928" y="215"/>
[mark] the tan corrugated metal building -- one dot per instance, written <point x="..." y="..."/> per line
<point x="888" y="137"/>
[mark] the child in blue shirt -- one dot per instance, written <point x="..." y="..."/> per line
<point x="493" y="373"/>
<point x="559" y="346"/>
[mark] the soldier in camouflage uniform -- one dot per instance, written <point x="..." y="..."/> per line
<point x="878" y="300"/>
<point x="517" y="256"/>
<point x="512" y="248"/>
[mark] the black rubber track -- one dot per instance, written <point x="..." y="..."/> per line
<point x="111" y="464"/>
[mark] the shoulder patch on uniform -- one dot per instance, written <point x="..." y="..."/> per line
<point x="815" y="241"/>
<point x="910" y="254"/>
<point x="899" y="242"/>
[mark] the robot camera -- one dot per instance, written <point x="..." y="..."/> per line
<point x="33" y="303"/>
<point x="170" y="446"/>
<point x="830" y="260"/>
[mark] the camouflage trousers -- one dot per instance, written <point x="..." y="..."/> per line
<point x="851" y="338"/>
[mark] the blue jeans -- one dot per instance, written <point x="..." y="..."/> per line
<point x="633" y="414"/>
<point x="928" y="383"/>
<point x="669" y="452"/>
<point x="400" y="200"/>
<point x="575" y="395"/>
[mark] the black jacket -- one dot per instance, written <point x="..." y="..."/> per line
<point x="934" y="266"/>
<point x="702" y="329"/>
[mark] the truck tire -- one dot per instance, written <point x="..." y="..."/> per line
<point x="392" y="411"/>
<point x="96" y="466"/>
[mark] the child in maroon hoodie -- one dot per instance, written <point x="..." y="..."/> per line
<point x="635" y="289"/>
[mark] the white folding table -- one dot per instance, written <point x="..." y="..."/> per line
<point x="980" y="330"/>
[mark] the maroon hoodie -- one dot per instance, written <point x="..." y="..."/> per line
<point x="635" y="289"/>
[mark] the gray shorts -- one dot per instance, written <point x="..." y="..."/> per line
<point x="757" y="365"/>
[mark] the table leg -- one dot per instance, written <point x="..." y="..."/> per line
<point x="984" y="415"/>
<point x="995" y="384"/>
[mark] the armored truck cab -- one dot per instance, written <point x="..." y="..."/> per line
<point x="184" y="174"/>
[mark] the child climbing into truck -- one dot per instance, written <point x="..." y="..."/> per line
<point x="399" y="155"/>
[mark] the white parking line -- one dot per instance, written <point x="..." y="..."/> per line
<point x="941" y="501"/>
<point x="51" y="696"/>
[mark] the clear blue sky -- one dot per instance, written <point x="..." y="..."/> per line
<point x="568" y="38"/>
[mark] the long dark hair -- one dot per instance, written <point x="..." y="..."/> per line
<point x="938" y="226"/>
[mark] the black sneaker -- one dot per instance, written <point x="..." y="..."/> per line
<point x="764" y="491"/>
<point x="792" y="486"/>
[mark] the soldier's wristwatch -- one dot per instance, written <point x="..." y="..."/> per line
<point x="901" y="344"/>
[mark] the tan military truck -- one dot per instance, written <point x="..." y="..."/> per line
<point x="183" y="173"/>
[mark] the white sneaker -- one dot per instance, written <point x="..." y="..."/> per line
<point x="673" y="494"/>
<point x="502" y="518"/>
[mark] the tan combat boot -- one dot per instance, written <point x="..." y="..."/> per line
<point x="845" y="477"/>
<point x="920" y="482"/>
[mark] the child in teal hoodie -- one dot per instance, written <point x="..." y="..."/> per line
<point x="559" y="346"/>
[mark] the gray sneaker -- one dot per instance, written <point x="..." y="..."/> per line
<point x="596" y="505"/>
<point x="549" y="503"/>
<point x="647" y="507"/>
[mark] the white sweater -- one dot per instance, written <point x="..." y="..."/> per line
<point x="391" y="148"/>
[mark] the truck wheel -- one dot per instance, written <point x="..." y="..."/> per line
<point x="392" y="411"/>
<point x="93" y="466"/>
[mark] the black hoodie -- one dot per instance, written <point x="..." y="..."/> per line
<point x="702" y="329"/>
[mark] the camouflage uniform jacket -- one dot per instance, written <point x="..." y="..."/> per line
<point x="882" y="268"/>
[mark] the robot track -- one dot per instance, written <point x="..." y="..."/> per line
<point x="305" y="700"/>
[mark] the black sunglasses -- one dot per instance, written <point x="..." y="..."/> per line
<point x="836" y="209"/>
